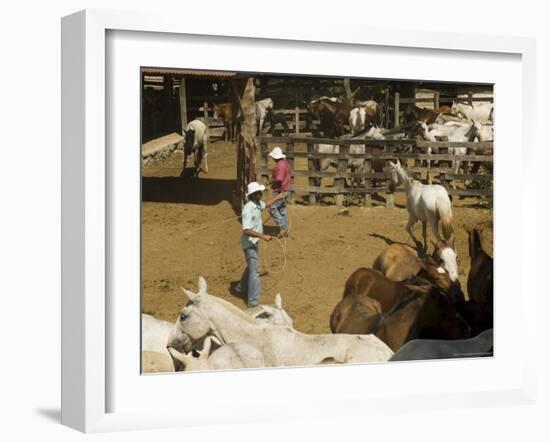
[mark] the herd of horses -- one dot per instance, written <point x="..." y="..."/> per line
<point x="408" y="305"/>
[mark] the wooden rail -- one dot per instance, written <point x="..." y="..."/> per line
<point x="377" y="182"/>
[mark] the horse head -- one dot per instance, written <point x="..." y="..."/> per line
<point x="193" y="323"/>
<point x="436" y="274"/>
<point x="439" y="316"/>
<point x="445" y="256"/>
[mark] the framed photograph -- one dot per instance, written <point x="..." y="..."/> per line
<point x="332" y="212"/>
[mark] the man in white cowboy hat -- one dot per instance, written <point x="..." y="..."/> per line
<point x="253" y="231"/>
<point x="280" y="184"/>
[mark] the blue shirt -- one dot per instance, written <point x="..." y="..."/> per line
<point x="252" y="220"/>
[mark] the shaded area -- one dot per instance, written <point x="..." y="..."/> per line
<point x="51" y="414"/>
<point x="202" y="191"/>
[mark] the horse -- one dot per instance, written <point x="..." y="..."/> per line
<point x="274" y="119"/>
<point x="400" y="262"/>
<point x="262" y="106"/>
<point x="207" y="315"/>
<point x="196" y="143"/>
<point x="355" y="165"/>
<point x="428" y="203"/>
<point x="396" y="312"/>
<point x="474" y="112"/>
<point x="362" y="116"/>
<point x="225" y="112"/>
<point x="421" y="114"/>
<point x="423" y="349"/>
<point x="480" y="277"/>
<point x="333" y="114"/>
<point x="225" y="357"/>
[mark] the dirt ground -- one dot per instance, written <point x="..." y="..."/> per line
<point x="189" y="229"/>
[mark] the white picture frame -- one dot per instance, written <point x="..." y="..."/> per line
<point x="87" y="214"/>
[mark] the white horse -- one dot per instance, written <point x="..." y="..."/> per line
<point x="196" y="143"/>
<point x="262" y="106"/>
<point x="477" y="112"/>
<point x="227" y="357"/>
<point x="428" y="203"/>
<point x="206" y="315"/>
<point x="155" y="333"/>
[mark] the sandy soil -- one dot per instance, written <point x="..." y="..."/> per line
<point x="189" y="229"/>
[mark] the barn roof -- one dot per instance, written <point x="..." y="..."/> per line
<point x="188" y="72"/>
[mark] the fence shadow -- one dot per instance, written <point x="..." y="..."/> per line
<point x="202" y="191"/>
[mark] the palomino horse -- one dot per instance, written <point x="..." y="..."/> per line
<point x="207" y="315"/>
<point x="422" y="349"/>
<point x="196" y="143"/>
<point x="396" y="311"/>
<point x="400" y="262"/>
<point x="428" y="203"/>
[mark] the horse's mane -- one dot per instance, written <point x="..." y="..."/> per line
<point x="235" y="310"/>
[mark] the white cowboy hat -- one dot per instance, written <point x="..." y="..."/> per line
<point x="254" y="187"/>
<point x="277" y="153"/>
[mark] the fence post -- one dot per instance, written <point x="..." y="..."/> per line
<point x="311" y="181"/>
<point x="205" y="111"/>
<point x="396" y="110"/>
<point x="296" y="108"/>
<point x="263" y="162"/>
<point x="436" y="99"/>
<point x="471" y="98"/>
<point x="340" y="183"/>
<point x="389" y="195"/>
<point x="290" y="149"/>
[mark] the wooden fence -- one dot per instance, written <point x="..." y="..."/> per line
<point x="377" y="182"/>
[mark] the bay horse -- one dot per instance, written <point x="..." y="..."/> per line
<point x="396" y="312"/>
<point x="333" y="114"/>
<point x="480" y="277"/>
<point x="400" y="262"/>
<point x="429" y="116"/>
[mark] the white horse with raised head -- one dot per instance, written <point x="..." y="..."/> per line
<point x="207" y="315"/>
<point x="262" y="107"/>
<point x="428" y="203"/>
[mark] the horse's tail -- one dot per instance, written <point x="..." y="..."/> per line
<point x="446" y="216"/>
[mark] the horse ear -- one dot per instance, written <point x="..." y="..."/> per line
<point x="191" y="295"/>
<point x="206" y="346"/>
<point x="203" y="287"/>
<point x="181" y="357"/>
<point x="392" y="164"/>
<point x="278" y="301"/>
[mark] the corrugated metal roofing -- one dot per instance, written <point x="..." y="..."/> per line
<point x="188" y="72"/>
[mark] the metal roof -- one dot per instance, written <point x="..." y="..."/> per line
<point x="188" y="72"/>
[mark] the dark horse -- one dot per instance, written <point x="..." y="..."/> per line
<point x="478" y="310"/>
<point x="274" y="119"/>
<point x="396" y="312"/>
<point x="333" y="114"/>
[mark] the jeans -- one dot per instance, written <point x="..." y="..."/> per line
<point x="278" y="212"/>
<point x="250" y="281"/>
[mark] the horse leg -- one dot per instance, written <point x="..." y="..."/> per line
<point x="205" y="156"/>
<point x="434" y="225"/>
<point x="408" y="227"/>
<point x="184" y="163"/>
<point x="424" y="237"/>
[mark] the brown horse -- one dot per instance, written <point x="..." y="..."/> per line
<point x="396" y="311"/>
<point x="225" y="112"/>
<point x="415" y="113"/>
<point x="333" y="114"/>
<point x="400" y="262"/>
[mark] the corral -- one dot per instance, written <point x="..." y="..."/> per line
<point x="189" y="228"/>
